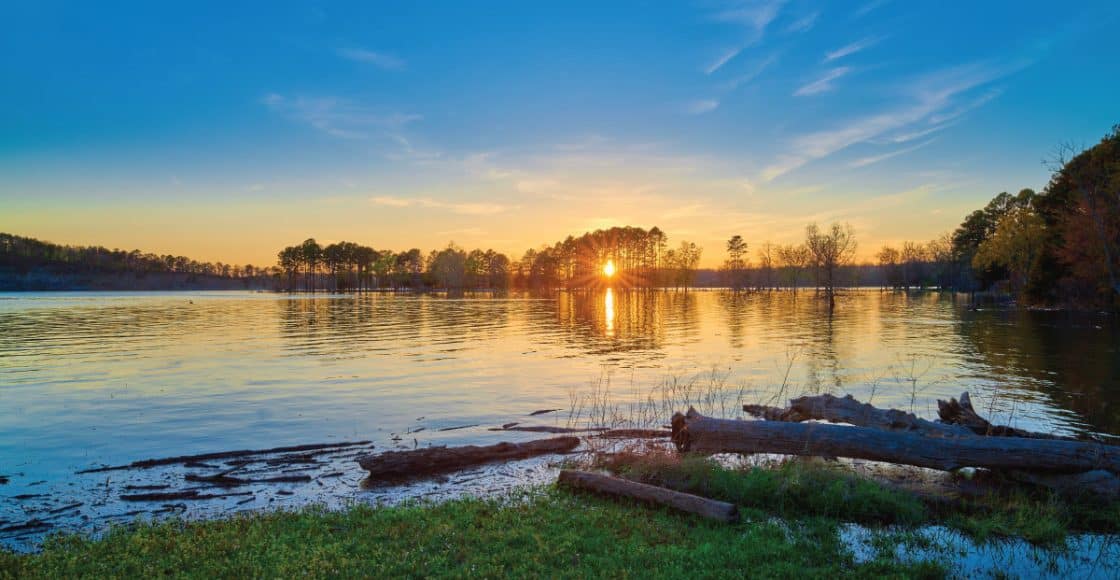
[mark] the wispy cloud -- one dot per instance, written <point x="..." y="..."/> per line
<point x="701" y="106"/>
<point x="756" y="69"/>
<point x="756" y="15"/>
<point x="851" y="49"/>
<point x="334" y="116"/>
<point x="930" y="95"/>
<point x="868" y="7"/>
<point x="804" y="24"/>
<point x="823" y="84"/>
<point x="381" y="60"/>
<point x="426" y="202"/>
<point x="722" y="60"/>
<point x="976" y="103"/>
<point x="912" y="134"/>
<point x="865" y="161"/>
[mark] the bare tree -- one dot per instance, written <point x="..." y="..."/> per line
<point x="830" y="250"/>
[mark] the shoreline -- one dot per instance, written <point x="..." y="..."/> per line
<point x="808" y="516"/>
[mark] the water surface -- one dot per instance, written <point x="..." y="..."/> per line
<point x="89" y="379"/>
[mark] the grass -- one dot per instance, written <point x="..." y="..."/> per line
<point x="792" y="515"/>
<point x="546" y="533"/>
<point x="799" y="489"/>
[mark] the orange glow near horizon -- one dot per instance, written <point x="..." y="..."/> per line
<point x="608" y="268"/>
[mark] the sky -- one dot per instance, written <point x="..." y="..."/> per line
<point x="225" y="131"/>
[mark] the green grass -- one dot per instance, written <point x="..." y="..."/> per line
<point x="792" y="490"/>
<point x="551" y="533"/>
<point x="790" y="528"/>
<point x="797" y="489"/>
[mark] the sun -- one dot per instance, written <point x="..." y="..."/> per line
<point x="608" y="268"/>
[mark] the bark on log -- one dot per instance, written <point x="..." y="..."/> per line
<point x="432" y="460"/>
<point x="848" y="410"/>
<point x="694" y="432"/>
<point x="614" y="486"/>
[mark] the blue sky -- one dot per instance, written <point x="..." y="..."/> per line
<point x="224" y="132"/>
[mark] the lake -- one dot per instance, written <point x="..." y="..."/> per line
<point x="88" y="379"/>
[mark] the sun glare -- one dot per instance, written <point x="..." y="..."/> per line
<point x="608" y="268"/>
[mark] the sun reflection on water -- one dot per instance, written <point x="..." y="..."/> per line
<point x="608" y="305"/>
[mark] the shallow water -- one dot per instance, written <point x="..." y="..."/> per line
<point x="89" y="379"/>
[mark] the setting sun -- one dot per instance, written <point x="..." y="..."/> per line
<point x="608" y="268"/>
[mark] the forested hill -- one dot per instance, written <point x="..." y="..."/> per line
<point x="30" y="264"/>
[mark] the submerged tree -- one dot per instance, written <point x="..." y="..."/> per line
<point x="736" y="265"/>
<point x="830" y="250"/>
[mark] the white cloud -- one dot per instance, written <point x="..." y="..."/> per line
<point x="865" y="161"/>
<point x="823" y="84"/>
<point x="804" y="24"/>
<point x="335" y="116"/>
<point x="756" y="15"/>
<point x="722" y="60"/>
<point x="868" y="7"/>
<point x="913" y="134"/>
<point x="426" y="202"/>
<point x="756" y="69"/>
<point x="851" y="49"/>
<point x="930" y="95"/>
<point x="381" y="60"/>
<point x="699" y="107"/>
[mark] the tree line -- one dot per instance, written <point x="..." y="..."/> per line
<point x="1057" y="246"/>
<point x="22" y="254"/>
<point x="642" y="258"/>
<point x="1060" y="245"/>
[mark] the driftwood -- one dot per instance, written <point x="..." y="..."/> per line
<point x="546" y="429"/>
<point x="848" y="410"/>
<point x="685" y="502"/>
<point x="694" y="432"/>
<point x="191" y="494"/>
<point x="635" y="434"/>
<point x="147" y="463"/>
<point x="961" y="413"/>
<point x="958" y="418"/>
<point x="433" y="460"/>
<point x="224" y="480"/>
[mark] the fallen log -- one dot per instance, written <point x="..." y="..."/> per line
<point x="147" y="463"/>
<point x="180" y="495"/>
<point x="963" y="421"/>
<point x="635" y="434"/>
<point x="961" y="413"/>
<point x="694" y="432"/>
<point x="433" y="460"/>
<point x="685" y="502"/>
<point x="848" y="410"/>
<point x="224" y="480"/>
<point x="548" y="429"/>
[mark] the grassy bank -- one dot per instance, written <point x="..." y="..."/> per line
<point x="792" y="517"/>
<point x="798" y="489"/>
<point x="549" y="533"/>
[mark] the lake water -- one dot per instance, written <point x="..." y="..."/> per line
<point x="88" y="379"/>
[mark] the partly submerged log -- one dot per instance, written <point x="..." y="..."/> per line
<point x="546" y="428"/>
<point x="147" y="463"/>
<point x="433" y="460"/>
<point x="685" y="502"/>
<point x="225" y="480"/>
<point x="190" y="494"/>
<point x="961" y="413"/>
<point x="694" y="432"/>
<point x="848" y="410"/>
<point x="635" y="434"/>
